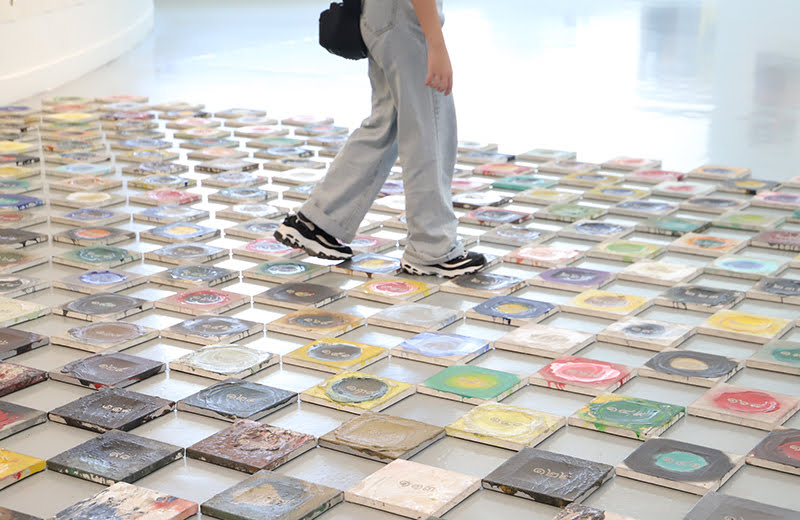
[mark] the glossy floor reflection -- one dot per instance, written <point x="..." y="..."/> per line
<point x="687" y="81"/>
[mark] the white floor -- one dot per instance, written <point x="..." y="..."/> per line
<point x="689" y="82"/>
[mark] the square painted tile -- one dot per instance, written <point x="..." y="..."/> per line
<point x="236" y="399"/>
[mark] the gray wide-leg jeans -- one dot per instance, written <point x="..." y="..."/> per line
<point x="407" y="117"/>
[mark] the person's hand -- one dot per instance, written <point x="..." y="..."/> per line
<point x="440" y="71"/>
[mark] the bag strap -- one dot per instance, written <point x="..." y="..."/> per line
<point x="354" y="5"/>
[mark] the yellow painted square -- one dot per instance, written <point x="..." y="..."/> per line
<point x="400" y="288"/>
<point x="746" y="323"/>
<point x="15" y="466"/>
<point x="321" y="390"/>
<point x="368" y="352"/>
<point x="493" y="422"/>
<point x="606" y="301"/>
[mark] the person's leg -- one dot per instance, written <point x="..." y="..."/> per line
<point x="427" y="141"/>
<point x="339" y="202"/>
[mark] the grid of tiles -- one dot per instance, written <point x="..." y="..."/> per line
<point x="629" y="316"/>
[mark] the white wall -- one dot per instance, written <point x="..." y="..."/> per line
<point x="46" y="43"/>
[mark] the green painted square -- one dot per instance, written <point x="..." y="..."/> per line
<point x="575" y="211"/>
<point x="99" y="255"/>
<point x="471" y="382"/>
<point x="676" y="224"/>
<point x="640" y="416"/>
<point x="522" y="183"/>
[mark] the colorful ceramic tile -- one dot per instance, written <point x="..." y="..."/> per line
<point x="625" y="250"/>
<point x="14" y="311"/>
<point x="368" y="265"/>
<point x="156" y="168"/>
<point x="381" y="437"/>
<point x="745" y="406"/>
<point x="513" y="235"/>
<point x="719" y="173"/>
<point x="778" y="239"/>
<point x="545" y="155"/>
<point x="87" y="199"/>
<point x="606" y="304"/>
<point x="15" y="418"/>
<point x="489" y="216"/>
<point x="743" y="266"/>
<point x="189" y="276"/>
<point x="522" y="183"/>
<point x="699" y="298"/>
<point x="164" y="196"/>
<point x="575" y="279"/>
<point x="271" y="496"/>
<point x="107" y="370"/>
<point x="505" y="426"/>
<point x="546" y="196"/>
<point x="233" y="399"/>
<point x="582" y="375"/>
<point x="777" y="200"/>
<point x="180" y="254"/>
<point x="235" y="179"/>
<point x="782" y="290"/>
<point x="412" y="490"/>
<point x="207" y="330"/>
<point x="94" y="257"/>
<point x="484" y="157"/>
<point x="615" y="193"/>
<point x="570" y="212"/>
<point x="717" y="205"/>
<point x="315" y="323"/>
<point x="682" y="190"/>
<point x="16" y="466"/>
<point x="198" y="302"/>
<point x="86" y="184"/>
<point x="89" y="236"/>
<point x="221" y="362"/>
<point x="21" y="220"/>
<point x="748" y="221"/>
<point x="646" y="334"/>
<point x="705" y="245"/>
<point x="479" y="199"/>
<point x="239" y="195"/>
<point x="777" y="356"/>
<point x="17" y="238"/>
<point x="471" y="384"/>
<point x="579" y="173"/>
<point x="547" y="477"/>
<point x="441" y="349"/>
<point x="111" y="409"/>
<point x="509" y="310"/>
<point x="502" y="169"/>
<point x="357" y="392"/>
<point x="332" y="355"/>
<point x="284" y="271"/>
<point x="627" y="416"/>
<point x="267" y="249"/>
<point x="15" y="377"/>
<point x="250" y="447"/>
<point x="693" y="368"/>
<point x="180" y="232"/>
<point x="252" y="229"/>
<point x="595" y="231"/>
<point x="111" y="336"/>
<point x="744" y="326"/>
<point x="643" y="208"/>
<point x="581" y="512"/>
<point x="716" y="506"/>
<point x="103" y="307"/>
<point x="14" y="342"/>
<point x="672" y="226"/>
<point x="483" y="284"/>
<point x="12" y="261"/>
<point x="11" y="202"/>
<point x="415" y="317"/>
<point x="543" y="340"/>
<point x="631" y="163"/>
<point x="14" y="286"/>
<point x="679" y="465"/>
<point x="779" y="450"/>
<point x="115" y="456"/>
<point x="393" y="290"/>
<point x="659" y="272"/>
<point x="90" y="217"/>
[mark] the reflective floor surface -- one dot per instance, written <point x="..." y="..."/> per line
<point x="689" y="82"/>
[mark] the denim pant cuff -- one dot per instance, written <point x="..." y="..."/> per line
<point x="330" y="226"/>
<point x="455" y="252"/>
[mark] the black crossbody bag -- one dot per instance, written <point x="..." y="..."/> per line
<point x="340" y="30"/>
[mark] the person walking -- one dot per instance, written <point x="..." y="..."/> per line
<point x="413" y="116"/>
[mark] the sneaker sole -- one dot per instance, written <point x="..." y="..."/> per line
<point x="286" y="235"/>
<point x="428" y="270"/>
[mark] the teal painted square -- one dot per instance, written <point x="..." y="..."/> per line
<point x="471" y="382"/>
